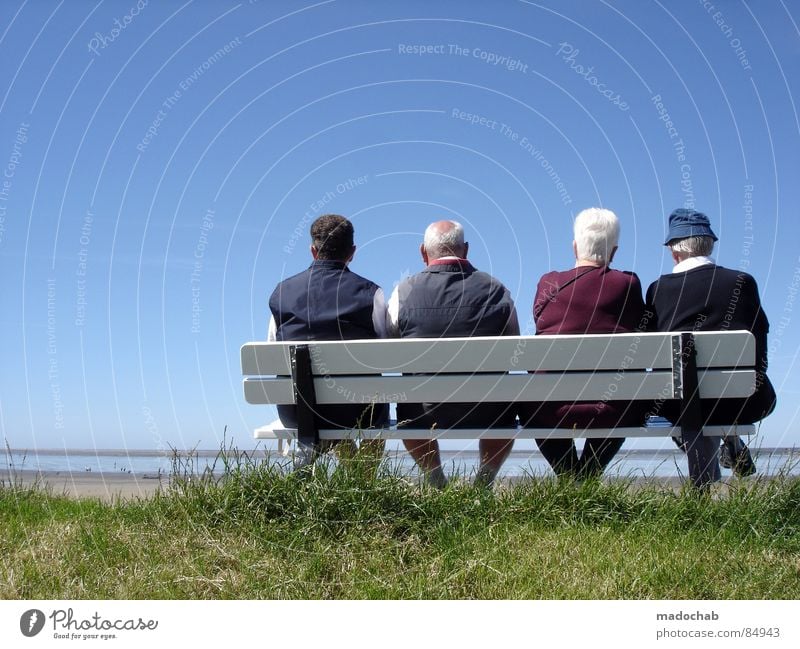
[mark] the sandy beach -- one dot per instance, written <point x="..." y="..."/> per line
<point x="87" y="484"/>
<point x="110" y="487"/>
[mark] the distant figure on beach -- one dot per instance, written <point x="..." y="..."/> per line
<point x="699" y="295"/>
<point x="328" y="301"/>
<point x="589" y="298"/>
<point x="450" y="298"/>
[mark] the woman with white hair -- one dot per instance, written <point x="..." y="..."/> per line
<point x="590" y="298"/>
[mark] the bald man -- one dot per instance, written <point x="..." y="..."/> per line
<point x="450" y="299"/>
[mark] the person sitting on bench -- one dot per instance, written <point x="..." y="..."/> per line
<point x="447" y="299"/>
<point x="699" y="295"/>
<point x="590" y="298"/>
<point x="328" y="301"/>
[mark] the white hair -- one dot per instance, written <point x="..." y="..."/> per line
<point x="444" y="244"/>
<point x="701" y="246"/>
<point x="596" y="234"/>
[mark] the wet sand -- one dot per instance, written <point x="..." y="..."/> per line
<point x="87" y="484"/>
<point x="110" y="487"/>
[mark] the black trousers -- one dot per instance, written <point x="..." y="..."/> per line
<point x="358" y="416"/>
<point x="728" y="412"/>
<point x="562" y="455"/>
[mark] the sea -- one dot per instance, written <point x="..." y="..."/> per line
<point x="633" y="463"/>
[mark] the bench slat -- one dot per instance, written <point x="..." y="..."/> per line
<point x="471" y="355"/>
<point x="725" y="349"/>
<point x="523" y="433"/>
<point x="472" y="388"/>
<point x="468" y="388"/>
<point x="732" y="384"/>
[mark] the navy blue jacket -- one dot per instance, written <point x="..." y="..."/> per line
<point x="713" y="298"/>
<point x="328" y="301"/>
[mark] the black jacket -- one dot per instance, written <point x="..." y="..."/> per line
<point x="451" y="299"/>
<point x="713" y="298"/>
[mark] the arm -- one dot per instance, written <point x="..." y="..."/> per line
<point x="650" y="318"/>
<point x="760" y="324"/>
<point x="634" y="306"/>
<point x="512" y="326"/>
<point x="393" y="315"/>
<point x="546" y="290"/>
<point x="379" y="314"/>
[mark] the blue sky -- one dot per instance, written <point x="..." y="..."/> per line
<point x="162" y="162"/>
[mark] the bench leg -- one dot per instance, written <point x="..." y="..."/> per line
<point x="702" y="452"/>
<point x="305" y="396"/>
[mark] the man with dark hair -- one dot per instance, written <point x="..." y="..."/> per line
<point x="332" y="238"/>
<point x="450" y="298"/>
<point x="328" y="301"/>
<point x="699" y="295"/>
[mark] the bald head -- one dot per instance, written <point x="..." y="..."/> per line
<point x="444" y="239"/>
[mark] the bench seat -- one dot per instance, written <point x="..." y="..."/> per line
<point x="268" y="432"/>
<point x="594" y="367"/>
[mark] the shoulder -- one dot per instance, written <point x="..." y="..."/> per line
<point x="480" y="282"/>
<point x="290" y="280"/>
<point x="362" y="279"/>
<point x="404" y="287"/>
<point x="301" y="274"/>
<point x="724" y="279"/>
<point x="482" y="276"/>
<point x="550" y="280"/>
<point x="486" y="276"/>
<point x="743" y="283"/>
<point x="410" y="280"/>
<point x="626" y="276"/>
<point x="664" y="283"/>
<point x="680" y="277"/>
<point x="739" y="275"/>
<point x="553" y="276"/>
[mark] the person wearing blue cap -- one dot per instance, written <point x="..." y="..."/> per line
<point x="699" y="295"/>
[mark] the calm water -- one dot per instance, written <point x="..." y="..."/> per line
<point x="628" y="463"/>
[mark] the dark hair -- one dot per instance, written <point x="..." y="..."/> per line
<point x="332" y="236"/>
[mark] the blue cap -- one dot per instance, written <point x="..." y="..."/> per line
<point x="685" y="222"/>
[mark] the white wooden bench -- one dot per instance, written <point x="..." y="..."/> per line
<point x="636" y="366"/>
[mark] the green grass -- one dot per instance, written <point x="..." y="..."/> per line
<point x="259" y="534"/>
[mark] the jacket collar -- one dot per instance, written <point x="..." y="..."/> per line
<point x="328" y="263"/>
<point x="693" y="262"/>
<point x="449" y="263"/>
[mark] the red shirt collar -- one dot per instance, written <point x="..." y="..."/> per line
<point x="448" y="261"/>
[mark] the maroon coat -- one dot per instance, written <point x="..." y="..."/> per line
<point x="599" y="301"/>
<point x="587" y="300"/>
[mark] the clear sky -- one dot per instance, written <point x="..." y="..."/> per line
<point x="162" y="161"/>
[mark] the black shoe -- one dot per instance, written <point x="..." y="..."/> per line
<point x="304" y="457"/>
<point x="681" y="444"/>
<point x="735" y="455"/>
<point x="725" y="455"/>
<point x="484" y="478"/>
<point x="436" y="478"/>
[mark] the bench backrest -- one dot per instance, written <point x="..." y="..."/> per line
<point x="632" y="366"/>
